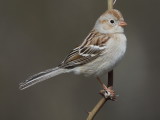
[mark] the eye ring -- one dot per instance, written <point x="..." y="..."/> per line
<point x="112" y="21"/>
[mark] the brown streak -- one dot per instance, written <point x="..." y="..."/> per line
<point x="103" y="21"/>
<point x="75" y="57"/>
<point x="115" y="13"/>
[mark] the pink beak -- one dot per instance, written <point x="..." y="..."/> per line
<point x="122" y="23"/>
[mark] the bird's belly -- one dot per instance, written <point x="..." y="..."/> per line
<point x="114" y="52"/>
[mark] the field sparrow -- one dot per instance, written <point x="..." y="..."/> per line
<point x="101" y="50"/>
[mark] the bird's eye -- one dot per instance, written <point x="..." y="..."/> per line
<point x="112" y="21"/>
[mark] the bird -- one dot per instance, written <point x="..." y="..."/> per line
<point x="99" y="53"/>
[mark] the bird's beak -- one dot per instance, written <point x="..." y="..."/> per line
<point x="122" y="24"/>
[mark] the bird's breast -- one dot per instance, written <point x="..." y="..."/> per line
<point x="115" y="50"/>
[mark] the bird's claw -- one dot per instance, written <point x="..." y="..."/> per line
<point x="108" y="93"/>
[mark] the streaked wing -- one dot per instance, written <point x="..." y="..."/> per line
<point x="92" y="47"/>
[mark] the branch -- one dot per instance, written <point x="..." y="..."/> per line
<point x="110" y="79"/>
<point x="96" y="109"/>
<point x="103" y="100"/>
<point x="110" y="4"/>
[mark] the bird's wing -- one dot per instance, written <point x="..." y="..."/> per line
<point x="92" y="47"/>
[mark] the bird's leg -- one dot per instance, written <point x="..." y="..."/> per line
<point x="107" y="92"/>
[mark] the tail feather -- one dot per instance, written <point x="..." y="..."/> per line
<point x="39" y="77"/>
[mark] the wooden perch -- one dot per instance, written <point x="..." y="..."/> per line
<point x="110" y="4"/>
<point x="103" y="100"/>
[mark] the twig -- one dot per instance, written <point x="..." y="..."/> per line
<point x="110" y="79"/>
<point x="103" y="100"/>
<point x="110" y="4"/>
<point x="96" y="109"/>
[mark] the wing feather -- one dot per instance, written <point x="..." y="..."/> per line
<point x="92" y="47"/>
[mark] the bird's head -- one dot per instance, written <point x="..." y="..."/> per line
<point x="111" y="21"/>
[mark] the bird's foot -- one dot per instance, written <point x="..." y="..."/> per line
<point x="108" y="93"/>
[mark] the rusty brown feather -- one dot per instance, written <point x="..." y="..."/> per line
<point x="90" y="49"/>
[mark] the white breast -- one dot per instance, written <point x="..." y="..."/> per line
<point x="115" y="50"/>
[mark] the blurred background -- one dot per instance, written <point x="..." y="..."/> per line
<point x="37" y="34"/>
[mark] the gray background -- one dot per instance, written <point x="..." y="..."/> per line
<point x="37" y="34"/>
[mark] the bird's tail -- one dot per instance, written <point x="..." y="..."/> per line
<point x="39" y="77"/>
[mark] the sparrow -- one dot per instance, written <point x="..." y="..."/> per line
<point x="100" y="51"/>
